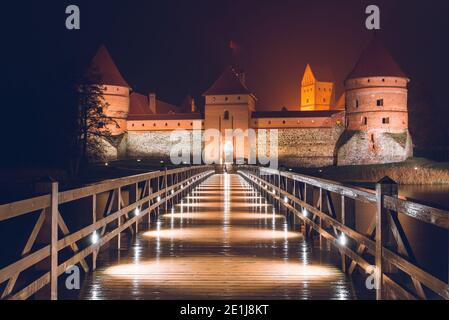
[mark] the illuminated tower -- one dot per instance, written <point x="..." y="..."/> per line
<point x="376" y="110"/>
<point x="315" y="93"/>
<point x="229" y="104"/>
<point x="116" y="90"/>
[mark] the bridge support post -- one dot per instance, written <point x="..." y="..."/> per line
<point x="166" y="190"/>
<point x="320" y="207"/>
<point x="384" y="187"/>
<point x="94" y="220"/>
<point x="347" y="219"/>
<point x="133" y="191"/>
<point x="54" y="213"/>
<point x="119" y="221"/>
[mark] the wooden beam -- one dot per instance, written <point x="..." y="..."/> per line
<point x="54" y="214"/>
<point x="384" y="187"/>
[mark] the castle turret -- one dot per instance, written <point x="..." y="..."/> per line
<point x="317" y="89"/>
<point x="116" y="90"/>
<point x="376" y="111"/>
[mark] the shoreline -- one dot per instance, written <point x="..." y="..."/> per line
<point x="415" y="171"/>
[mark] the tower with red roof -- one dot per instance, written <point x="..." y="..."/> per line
<point x="376" y="110"/>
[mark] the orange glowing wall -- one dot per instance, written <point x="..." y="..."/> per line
<point x="316" y="95"/>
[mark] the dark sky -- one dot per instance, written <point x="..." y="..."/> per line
<point x="179" y="47"/>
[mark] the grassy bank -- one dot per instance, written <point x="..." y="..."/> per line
<point x="413" y="171"/>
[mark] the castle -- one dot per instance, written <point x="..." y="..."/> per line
<point x="367" y="124"/>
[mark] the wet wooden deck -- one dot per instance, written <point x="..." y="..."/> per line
<point x="222" y="242"/>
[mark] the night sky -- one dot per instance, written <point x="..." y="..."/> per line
<point x="175" y="48"/>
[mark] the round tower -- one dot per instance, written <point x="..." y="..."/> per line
<point x="376" y="111"/>
<point x="116" y="90"/>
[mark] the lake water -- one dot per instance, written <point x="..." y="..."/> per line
<point x="435" y="195"/>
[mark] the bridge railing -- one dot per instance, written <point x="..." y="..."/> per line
<point x="38" y="267"/>
<point x="383" y="250"/>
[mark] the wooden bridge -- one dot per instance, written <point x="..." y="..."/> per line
<point x="190" y="233"/>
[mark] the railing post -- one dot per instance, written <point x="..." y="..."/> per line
<point x="384" y="187"/>
<point x="150" y="192"/>
<point x="133" y="198"/>
<point x="279" y="190"/>
<point x="94" y="220"/>
<point x="347" y="219"/>
<point x="54" y="213"/>
<point x="166" y="190"/>
<point x="119" y="220"/>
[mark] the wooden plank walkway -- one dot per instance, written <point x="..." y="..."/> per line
<point x="222" y="242"/>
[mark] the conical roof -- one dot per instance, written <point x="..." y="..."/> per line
<point x="138" y="104"/>
<point x="376" y="61"/>
<point x="108" y="73"/>
<point x="228" y="83"/>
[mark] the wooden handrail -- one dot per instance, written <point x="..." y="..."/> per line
<point x="412" y="209"/>
<point x="150" y="201"/>
<point x="269" y="182"/>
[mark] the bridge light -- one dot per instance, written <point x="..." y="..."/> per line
<point x="342" y="240"/>
<point x="286" y="199"/>
<point x="138" y="160"/>
<point x="173" y="191"/>
<point x="158" y="199"/>
<point x="94" y="238"/>
<point x="137" y="212"/>
<point x="304" y="212"/>
<point x="106" y="164"/>
<point x="416" y="168"/>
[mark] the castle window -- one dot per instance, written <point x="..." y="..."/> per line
<point x="132" y="125"/>
<point x="369" y="80"/>
<point x="239" y="98"/>
<point x="356" y="103"/>
<point x="380" y="102"/>
<point x="154" y="124"/>
<point x="226" y="115"/>
<point x="269" y="122"/>
<point x="143" y="124"/>
<point x="365" y="121"/>
<point x="166" y="124"/>
<point x="385" y="120"/>
<point x="324" y="100"/>
<point x="283" y="122"/>
<point x="226" y="99"/>
<point x="179" y="124"/>
<point x="383" y="80"/>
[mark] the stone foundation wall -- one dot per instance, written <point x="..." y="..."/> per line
<point x="308" y="147"/>
<point x="157" y="145"/>
<point x="374" y="147"/>
<point x="110" y="149"/>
